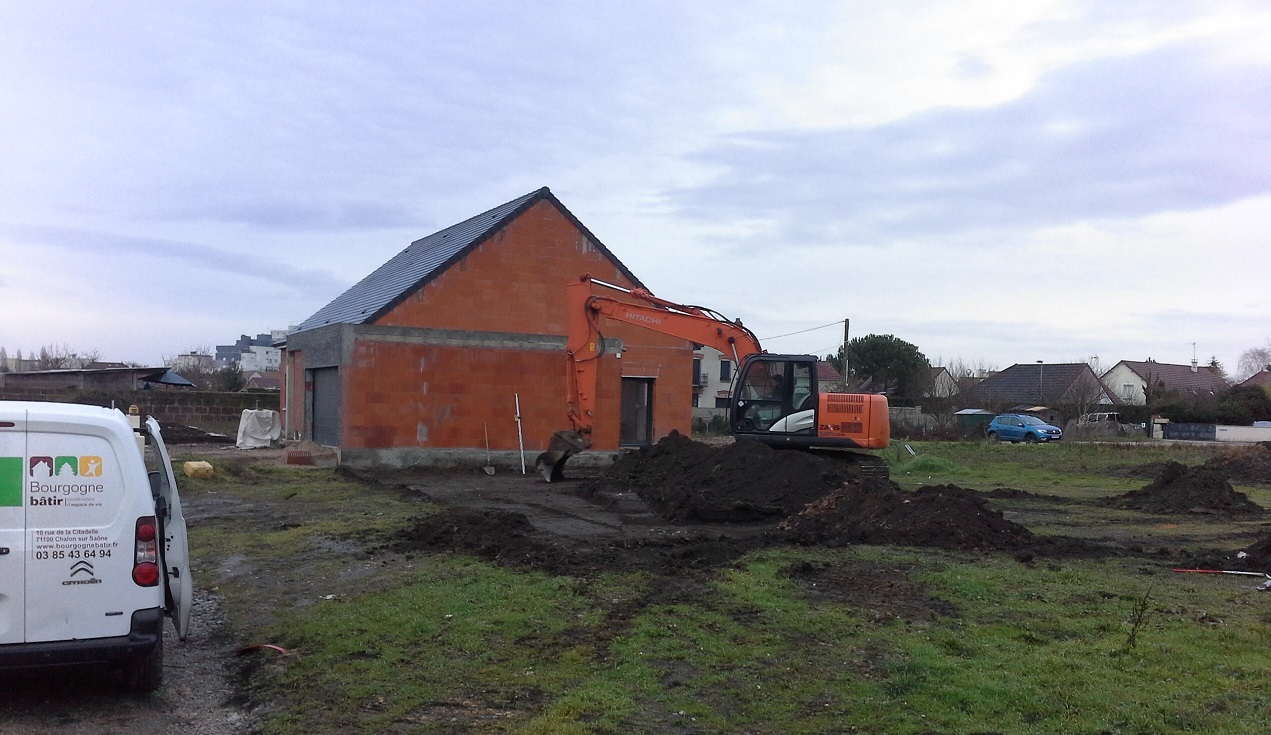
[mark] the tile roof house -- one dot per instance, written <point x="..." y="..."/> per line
<point x="1260" y="380"/>
<point x="1070" y="386"/>
<point x="431" y="351"/>
<point x="1128" y="380"/>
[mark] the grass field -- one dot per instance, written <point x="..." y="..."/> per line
<point x="786" y="640"/>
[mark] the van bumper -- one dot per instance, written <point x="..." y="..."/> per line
<point x="145" y="633"/>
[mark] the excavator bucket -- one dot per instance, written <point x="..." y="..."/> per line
<point x="565" y="444"/>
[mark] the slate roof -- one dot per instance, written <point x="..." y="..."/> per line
<point x="428" y="257"/>
<point x="1031" y="382"/>
<point x="1179" y="377"/>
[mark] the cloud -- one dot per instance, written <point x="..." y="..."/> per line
<point x="1114" y="138"/>
<point x="205" y="260"/>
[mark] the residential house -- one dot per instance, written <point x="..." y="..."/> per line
<point x="942" y="384"/>
<point x="433" y="350"/>
<point x="712" y="378"/>
<point x="1070" y="389"/>
<point x="1128" y="380"/>
<point x="1259" y="380"/>
<point x="829" y="379"/>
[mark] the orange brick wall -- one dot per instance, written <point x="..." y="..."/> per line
<point x="515" y="283"/>
<point x="431" y="396"/>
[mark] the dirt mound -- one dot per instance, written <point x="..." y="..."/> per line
<point x="1181" y="489"/>
<point x="497" y="535"/>
<point x="1258" y="557"/>
<point x="1247" y="464"/>
<point x="876" y="512"/>
<point x="745" y="481"/>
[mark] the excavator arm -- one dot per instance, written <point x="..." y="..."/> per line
<point x="587" y="304"/>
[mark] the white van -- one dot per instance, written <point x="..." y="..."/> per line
<point x="93" y="549"/>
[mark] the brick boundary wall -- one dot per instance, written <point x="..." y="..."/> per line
<point x="207" y="410"/>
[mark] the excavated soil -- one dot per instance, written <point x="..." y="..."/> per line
<point x="1179" y="489"/>
<point x="1248" y="465"/>
<point x="745" y="481"/>
<point x="682" y="505"/>
<point x="878" y="512"/>
<point x="1258" y="556"/>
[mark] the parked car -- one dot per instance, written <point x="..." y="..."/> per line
<point x="1017" y="427"/>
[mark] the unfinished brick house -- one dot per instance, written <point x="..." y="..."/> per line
<point x="418" y="361"/>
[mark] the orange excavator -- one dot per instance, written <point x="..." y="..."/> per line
<point x="776" y="399"/>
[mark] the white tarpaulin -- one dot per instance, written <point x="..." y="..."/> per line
<point x="258" y="428"/>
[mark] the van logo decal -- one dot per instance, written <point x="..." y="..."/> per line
<point x="10" y="481"/>
<point x="67" y="477"/>
<point x="81" y="567"/>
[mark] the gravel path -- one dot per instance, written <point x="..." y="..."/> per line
<point x="195" y="698"/>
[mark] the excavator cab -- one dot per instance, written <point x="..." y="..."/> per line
<point x="777" y="400"/>
<point x="775" y="394"/>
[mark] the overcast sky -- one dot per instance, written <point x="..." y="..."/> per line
<point x="995" y="182"/>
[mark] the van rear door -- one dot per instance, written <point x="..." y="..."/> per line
<point x="176" y="545"/>
<point x="82" y="477"/>
<point x="12" y="527"/>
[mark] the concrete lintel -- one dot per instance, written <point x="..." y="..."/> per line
<point x="469" y="338"/>
<point x="460" y="459"/>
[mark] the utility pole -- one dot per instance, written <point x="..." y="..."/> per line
<point x="845" y="340"/>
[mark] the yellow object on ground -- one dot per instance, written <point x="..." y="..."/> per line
<point x="198" y="469"/>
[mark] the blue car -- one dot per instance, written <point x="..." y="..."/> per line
<point x="1018" y="427"/>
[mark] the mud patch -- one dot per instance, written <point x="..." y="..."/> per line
<point x="1189" y="490"/>
<point x="884" y="593"/>
<point x="510" y="539"/>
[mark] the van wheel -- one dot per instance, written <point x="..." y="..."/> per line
<point x="146" y="674"/>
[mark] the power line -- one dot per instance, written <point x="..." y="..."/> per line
<point x="803" y="331"/>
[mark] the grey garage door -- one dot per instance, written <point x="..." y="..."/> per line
<point x="325" y="406"/>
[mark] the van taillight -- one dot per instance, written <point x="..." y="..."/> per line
<point x="145" y="562"/>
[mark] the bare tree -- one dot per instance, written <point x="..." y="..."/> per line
<point x="4" y="360"/>
<point x="1253" y="361"/>
<point x="1085" y="393"/>
<point x="58" y="357"/>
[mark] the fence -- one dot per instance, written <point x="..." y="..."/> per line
<point x="207" y="410"/>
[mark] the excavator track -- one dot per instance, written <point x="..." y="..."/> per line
<point x="863" y="464"/>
